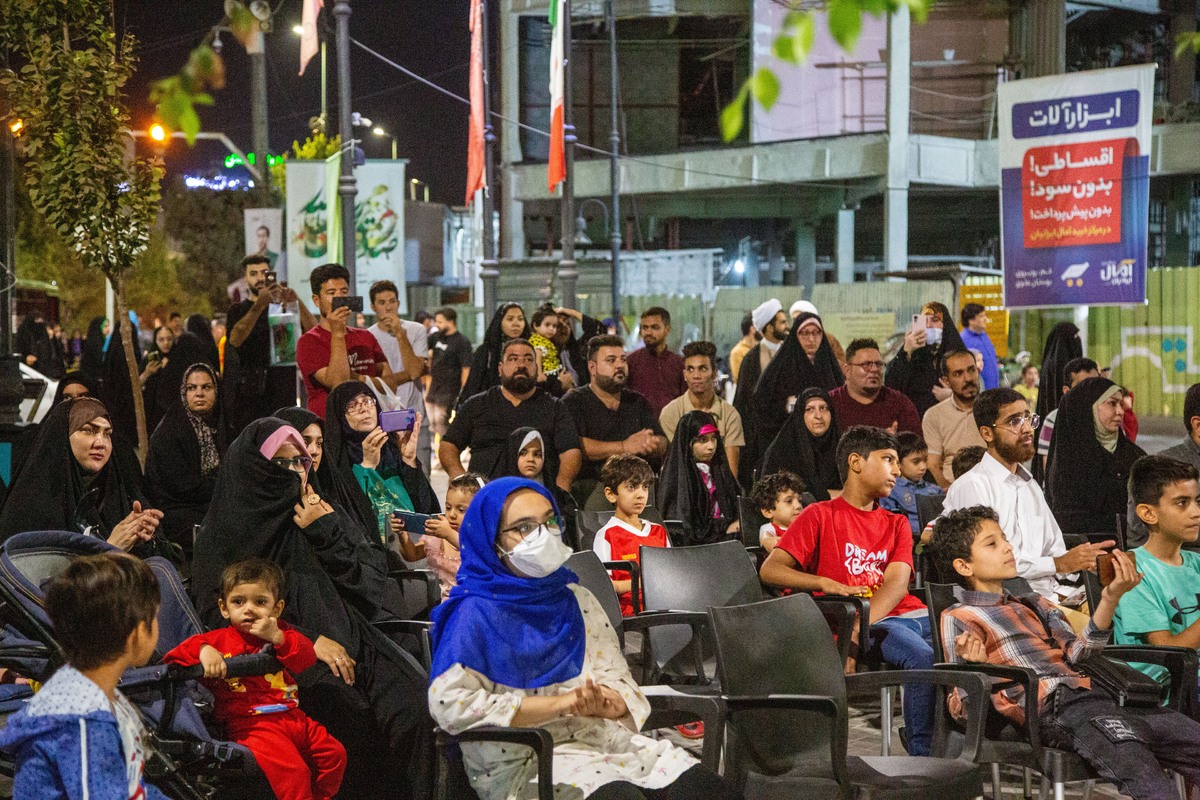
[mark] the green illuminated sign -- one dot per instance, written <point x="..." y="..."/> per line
<point x="233" y="160"/>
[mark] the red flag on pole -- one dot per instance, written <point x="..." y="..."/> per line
<point x="557" y="168"/>
<point x="476" y="179"/>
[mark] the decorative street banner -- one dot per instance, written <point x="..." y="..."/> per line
<point x="378" y="222"/>
<point x="1075" y="187"/>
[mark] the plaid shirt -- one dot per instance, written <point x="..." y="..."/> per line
<point x="1014" y="635"/>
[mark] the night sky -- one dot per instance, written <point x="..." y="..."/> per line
<point x="429" y="37"/>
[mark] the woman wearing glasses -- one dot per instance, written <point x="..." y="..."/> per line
<point x="1090" y="456"/>
<point x="77" y="477"/>
<point x="520" y="644"/>
<point x="264" y="506"/>
<point x="377" y="473"/>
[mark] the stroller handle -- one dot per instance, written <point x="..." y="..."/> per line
<point x="235" y="667"/>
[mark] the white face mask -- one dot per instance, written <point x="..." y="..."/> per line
<point x="933" y="335"/>
<point x="540" y="553"/>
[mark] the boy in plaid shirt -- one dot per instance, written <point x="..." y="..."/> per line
<point x="1127" y="746"/>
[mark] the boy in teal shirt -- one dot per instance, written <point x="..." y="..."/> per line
<point x="1164" y="609"/>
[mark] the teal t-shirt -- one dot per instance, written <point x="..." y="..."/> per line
<point x="1167" y="599"/>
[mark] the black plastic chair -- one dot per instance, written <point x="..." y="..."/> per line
<point x="1022" y="747"/>
<point x="786" y="711"/>
<point x="420" y="592"/>
<point x="752" y="520"/>
<point x="929" y="508"/>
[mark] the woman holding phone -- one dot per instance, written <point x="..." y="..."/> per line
<point x="378" y="470"/>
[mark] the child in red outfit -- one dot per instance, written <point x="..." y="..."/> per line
<point x="626" y="479"/>
<point x="298" y="756"/>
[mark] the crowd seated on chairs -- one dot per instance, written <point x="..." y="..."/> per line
<point x="502" y="641"/>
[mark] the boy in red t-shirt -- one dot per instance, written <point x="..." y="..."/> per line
<point x="333" y="353"/>
<point x="851" y="546"/>
<point x="777" y="497"/>
<point x="298" y="756"/>
<point x="627" y="480"/>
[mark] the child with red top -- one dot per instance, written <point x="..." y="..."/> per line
<point x="627" y="479"/>
<point x="298" y="756"/>
<point x="851" y="546"/>
<point x="777" y="497"/>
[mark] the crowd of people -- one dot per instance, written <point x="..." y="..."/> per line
<point x="284" y="521"/>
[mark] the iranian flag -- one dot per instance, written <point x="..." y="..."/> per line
<point x="557" y="170"/>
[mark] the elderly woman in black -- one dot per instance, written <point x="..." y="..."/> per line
<point x="79" y="476"/>
<point x="369" y="693"/>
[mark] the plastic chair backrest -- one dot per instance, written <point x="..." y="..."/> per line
<point x="694" y="579"/>
<point x="589" y="524"/>
<point x="1091" y="585"/>
<point x="751" y="519"/>
<point x="594" y="577"/>
<point x="759" y="649"/>
<point x="939" y="597"/>
<point x="929" y="508"/>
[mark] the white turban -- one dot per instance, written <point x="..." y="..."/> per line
<point x="766" y="312"/>
<point x="800" y="306"/>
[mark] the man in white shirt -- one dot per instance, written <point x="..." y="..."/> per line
<point x="1001" y="483"/>
<point x="406" y="344"/>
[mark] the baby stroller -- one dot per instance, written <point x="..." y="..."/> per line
<point x="183" y="760"/>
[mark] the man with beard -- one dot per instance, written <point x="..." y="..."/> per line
<point x="700" y="372"/>
<point x="770" y="320"/>
<point x="864" y="400"/>
<point x="999" y="482"/>
<point x="484" y="421"/>
<point x="258" y="387"/>
<point x="611" y="419"/>
<point x="655" y="372"/>
<point x="949" y="425"/>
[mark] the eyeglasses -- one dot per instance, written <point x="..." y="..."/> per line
<point x="361" y="403"/>
<point x="867" y="366"/>
<point x="1018" y="423"/>
<point x="553" y="523"/>
<point x="296" y="464"/>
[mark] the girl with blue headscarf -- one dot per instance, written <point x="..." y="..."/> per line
<point x="520" y="643"/>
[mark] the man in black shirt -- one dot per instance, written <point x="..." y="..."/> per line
<point x="484" y="422"/>
<point x="449" y="364"/>
<point x="611" y="420"/>
<point x="258" y="388"/>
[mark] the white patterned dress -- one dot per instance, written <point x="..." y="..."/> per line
<point x="588" y="752"/>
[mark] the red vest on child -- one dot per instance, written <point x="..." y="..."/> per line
<point x="618" y="541"/>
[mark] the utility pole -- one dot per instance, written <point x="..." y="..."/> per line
<point x="489" y="272"/>
<point x="258" y="110"/>
<point x="610" y="13"/>
<point x="568" y="275"/>
<point x="347" y="189"/>
<point x="12" y="390"/>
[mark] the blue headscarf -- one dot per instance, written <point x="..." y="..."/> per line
<point x="524" y="633"/>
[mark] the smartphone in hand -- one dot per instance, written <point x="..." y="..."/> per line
<point x="401" y="420"/>
<point x="355" y="304"/>
<point x="1106" y="569"/>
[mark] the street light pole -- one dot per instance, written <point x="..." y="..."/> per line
<point x="568" y="274"/>
<point x="610" y="14"/>
<point x="347" y="188"/>
<point x="258" y="108"/>
<point x="489" y="273"/>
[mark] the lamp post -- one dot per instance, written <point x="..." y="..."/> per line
<point x="614" y="232"/>
<point x="379" y="131"/>
<point x="347" y="186"/>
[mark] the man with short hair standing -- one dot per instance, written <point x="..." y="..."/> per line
<point x="449" y="365"/>
<point x="975" y="337"/>
<point x="258" y="388"/>
<point x="655" y="372"/>
<point x="949" y="425"/>
<point x="406" y="345"/>
<point x="864" y="400"/>
<point x="611" y="419"/>
<point x="700" y="372"/>
<point x="485" y="421"/>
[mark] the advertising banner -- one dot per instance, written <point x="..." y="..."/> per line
<point x="1075" y="187"/>
<point x="312" y="208"/>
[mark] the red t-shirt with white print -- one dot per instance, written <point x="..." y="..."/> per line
<point x="835" y="540"/>
<point x="312" y="354"/>
<point x="619" y="541"/>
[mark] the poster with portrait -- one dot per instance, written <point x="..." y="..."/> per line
<point x="1075" y="187"/>
<point x="264" y="237"/>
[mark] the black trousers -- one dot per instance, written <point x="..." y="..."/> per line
<point x="698" y="783"/>
<point x="1130" y="747"/>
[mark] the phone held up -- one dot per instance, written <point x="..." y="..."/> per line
<point x="1108" y="572"/>
<point x="401" y="419"/>
<point x="355" y="304"/>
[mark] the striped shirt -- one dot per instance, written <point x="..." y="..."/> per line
<point x="1014" y="635"/>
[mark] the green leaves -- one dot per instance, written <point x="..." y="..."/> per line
<point x="176" y="97"/>
<point x="733" y="116"/>
<point x="845" y="21"/>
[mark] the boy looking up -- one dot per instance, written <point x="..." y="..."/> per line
<point x="1164" y="609"/>
<point x="777" y="497"/>
<point x="851" y="546"/>
<point x="79" y="736"/>
<point x="1129" y="747"/>
<point x="627" y="480"/>
<point x="261" y="712"/>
